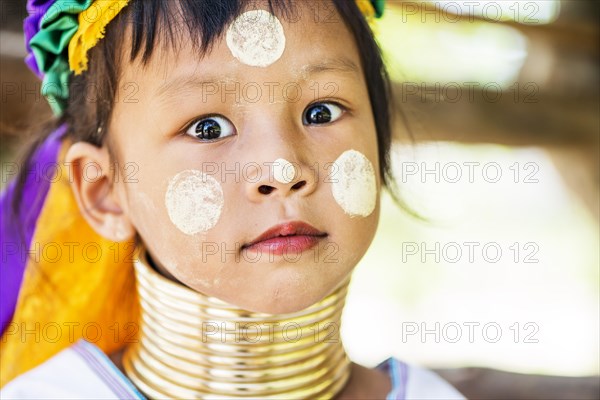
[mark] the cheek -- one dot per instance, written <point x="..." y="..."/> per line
<point x="194" y="201"/>
<point x="354" y="184"/>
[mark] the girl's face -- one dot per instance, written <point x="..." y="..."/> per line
<point x="273" y="126"/>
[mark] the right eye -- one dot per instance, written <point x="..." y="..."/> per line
<point x="211" y="128"/>
<point x="322" y="113"/>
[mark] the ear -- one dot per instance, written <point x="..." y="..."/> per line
<point x="91" y="181"/>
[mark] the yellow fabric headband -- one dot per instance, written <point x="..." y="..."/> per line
<point x="92" y="25"/>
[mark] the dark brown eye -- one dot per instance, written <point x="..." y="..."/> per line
<point x="211" y="128"/>
<point x="322" y="113"/>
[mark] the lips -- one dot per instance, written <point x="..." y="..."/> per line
<point x="289" y="237"/>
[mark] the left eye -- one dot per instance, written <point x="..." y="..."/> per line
<point x="322" y="113"/>
<point x="211" y="128"/>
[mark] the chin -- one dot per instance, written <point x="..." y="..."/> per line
<point x="290" y="297"/>
<point x="275" y="290"/>
<point x="287" y="306"/>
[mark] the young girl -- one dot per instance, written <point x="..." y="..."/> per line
<point x="218" y="177"/>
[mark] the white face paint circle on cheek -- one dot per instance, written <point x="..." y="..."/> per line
<point x="283" y="171"/>
<point x="354" y="184"/>
<point x="256" y="38"/>
<point x="194" y="201"/>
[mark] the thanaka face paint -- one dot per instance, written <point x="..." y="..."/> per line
<point x="256" y="38"/>
<point x="354" y="184"/>
<point x="283" y="171"/>
<point x="194" y="201"/>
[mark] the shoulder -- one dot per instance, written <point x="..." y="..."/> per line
<point x="80" y="371"/>
<point x="413" y="382"/>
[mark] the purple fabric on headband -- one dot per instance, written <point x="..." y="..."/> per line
<point x="17" y="232"/>
<point x="31" y="25"/>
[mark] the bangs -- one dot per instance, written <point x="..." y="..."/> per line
<point x="163" y="23"/>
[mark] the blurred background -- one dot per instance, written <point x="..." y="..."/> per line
<point x="490" y="273"/>
<point x="497" y="151"/>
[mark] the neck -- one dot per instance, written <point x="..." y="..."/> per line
<point x="194" y="346"/>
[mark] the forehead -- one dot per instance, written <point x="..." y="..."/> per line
<point x="316" y="38"/>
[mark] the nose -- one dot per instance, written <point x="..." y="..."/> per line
<point x="281" y="178"/>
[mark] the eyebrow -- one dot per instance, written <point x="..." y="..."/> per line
<point x="340" y="64"/>
<point x="195" y="81"/>
<point x="185" y="82"/>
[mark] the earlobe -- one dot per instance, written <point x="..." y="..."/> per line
<point x="91" y="181"/>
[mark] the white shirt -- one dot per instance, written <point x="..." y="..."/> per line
<point x="83" y="371"/>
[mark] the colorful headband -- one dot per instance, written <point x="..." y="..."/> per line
<point x="59" y="34"/>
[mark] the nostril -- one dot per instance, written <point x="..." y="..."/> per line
<point x="299" y="185"/>
<point x="264" y="189"/>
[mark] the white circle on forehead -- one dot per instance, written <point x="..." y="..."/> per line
<point x="354" y="186"/>
<point x="256" y="38"/>
<point x="283" y="170"/>
<point x="194" y="201"/>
